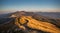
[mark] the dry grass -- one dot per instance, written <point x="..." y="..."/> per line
<point x="39" y="25"/>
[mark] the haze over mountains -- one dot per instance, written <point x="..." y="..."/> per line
<point x="47" y="14"/>
<point x="50" y="14"/>
<point x="8" y="20"/>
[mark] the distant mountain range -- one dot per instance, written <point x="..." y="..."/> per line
<point x="46" y="14"/>
<point x="50" y="14"/>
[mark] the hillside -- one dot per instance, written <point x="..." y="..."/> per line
<point x="12" y="23"/>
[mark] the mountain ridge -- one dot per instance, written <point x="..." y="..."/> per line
<point x="35" y="16"/>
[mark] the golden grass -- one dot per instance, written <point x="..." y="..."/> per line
<point x="39" y="25"/>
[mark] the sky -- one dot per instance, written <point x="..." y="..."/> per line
<point x="29" y="5"/>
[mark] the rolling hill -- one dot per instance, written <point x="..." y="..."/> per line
<point x="8" y="22"/>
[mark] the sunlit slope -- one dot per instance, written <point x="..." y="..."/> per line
<point x="19" y="25"/>
<point x="39" y="25"/>
<point x="38" y="17"/>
